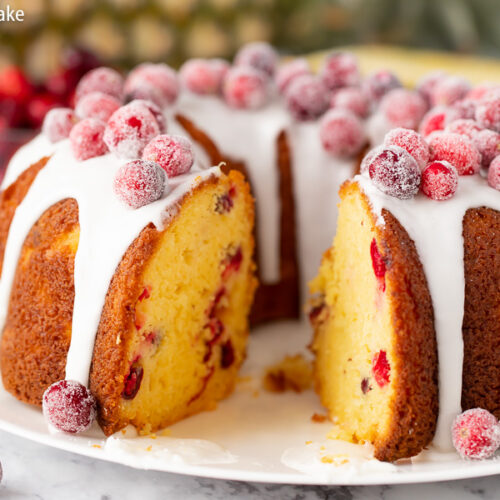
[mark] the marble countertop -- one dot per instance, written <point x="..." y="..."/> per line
<point x="33" y="471"/>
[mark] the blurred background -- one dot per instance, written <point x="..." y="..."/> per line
<point x="59" y="40"/>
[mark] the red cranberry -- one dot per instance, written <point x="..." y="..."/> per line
<point x="232" y="264"/>
<point x="352" y="98"/>
<point x="378" y="264"/>
<point x="395" y="172"/>
<point x="436" y="119"/>
<point x="69" y="406"/>
<point x="287" y="72"/>
<point x="129" y="129"/>
<point x="449" y="90"/>
<point x="155" y="111"/>
<point x="227" y="354"/>
<point x="340" y="69"/>
<point x="258" y="55"/>
<point x="341" y="132"/>
<point x="15" y="85"/>
<point x="87" y="139"/>
<point x="466" y="108"/>
<point x="133" y="381"/>
<point x="246" y="88"/>
<point x="487" y="143"/>
<point x="174" y="154"/>
<point x="469" y="128"/>
<point x="365" y="385"/>
<point x="494" y="174"/>
<point x="427" y="84"/>
<point x="105" y="80"/>
<point x="202" y="76"/>
<point x="411" y="141"/>
<point x="58" y="123"/>
<point x="225" y="202"/>
<point x="403" y="108"/>
<point x="377" y="84"/>
<point x="153" y="82"/>
<point x="381" y="368"/>
<point x="482" y="90"/>
<point x="97" y="105"/>
<point x="306" y="97"/>
<point x="139" y="182"/>
<point x="457" y="150"/>
<point x="476" y="434"/>
<point x="439" y="180"/>
<point x="488" y="112"/>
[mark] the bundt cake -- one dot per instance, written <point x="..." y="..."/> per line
<point x="406" y="305"/>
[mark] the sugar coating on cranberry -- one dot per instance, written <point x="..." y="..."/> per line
<point x="394" y="172"/>
<point x="426" y="85"/>
<point x="69" y="406"/>
<point x="139" y="182"/>
<point x="153" y="82"/>
<point x="487" y="143"/>
<point x="174" y="154"/>
<point x="377" y="84"/>
<point x="437" y="119"/>
<point x="449" y="90"/>
<point x="58" y="123"/>
<point x="155" y="111"/>
<point x="258" y="55"/>
<point x="202" y="76"/>
<point x="246" y="88"/>
<point x="439" y="180"/>
<point x="488" y="112"/>
<point x="306" y="98"/>
<point x="287" y="72"/>
<point x="105" y="80"/>
<point x="340" y="69"/>
<point x="457" y="150"/>
<point x="403" y="108"/>
<point x="494" y="173"/>
<point x="476" y="434"/>
<point x="482" y="90"/>
<point x="411" y="141"/>
<point x="466" y="108"/>
<point x="129" y="129"/>
<point x="352" y="98"/>
<point x="469" y="128"/>
<point x="97" y="105"/>
<point x="341" y="132"/>
<point x="87" y="139"/>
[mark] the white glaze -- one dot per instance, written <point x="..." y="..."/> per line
<point x="436" y="229"/>
<point x="107" y="228"/>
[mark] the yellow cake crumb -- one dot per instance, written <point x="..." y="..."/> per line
<point x="292" y="373"/>
<point x="149" y="448"/>
<point x="166" y="432"/>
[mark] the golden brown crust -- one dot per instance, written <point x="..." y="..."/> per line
<point x="481" y="324"/>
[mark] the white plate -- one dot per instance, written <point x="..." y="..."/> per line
<point x="252" y="436"/>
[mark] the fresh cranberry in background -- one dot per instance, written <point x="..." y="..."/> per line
<point x="38" y="106"/>
<point x="15" y="85"/>
<point x="377" y="84"/>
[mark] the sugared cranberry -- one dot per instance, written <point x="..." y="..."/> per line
<point x="246" y="88"/>
<point x="476" y="434"/>
<point x="202" y="76"/>
<point x="129" y="129"/>
<point x="437" y="119"/>
<point x="469" y="128"/>
<point x="306" y="97"/>
<point x="87" y="139"/>
<point x="410" y="141"/>
<point x="139" y="182"/>
<point x="341" y="132"/>
<point x="69" y="406"/>
<point x="352" y="98"/>
<point x="287" y="72"/>
<point x="227" y="354"/>
<point x="15" y="85"/>
<point x="378" y="264"/>
<point x="58" y="123"/>
<point x="395" y="172"/>
<point x="258" y="55"/>
<point x="487" y="143"/>
<point x="377" y="84"/>
<point x="174" y="154"/>
<point x="97" y="105"/>
<point x="105" y="80"/>
<point x="426" y="85"/>
<point x="466" y="108"/>
<point x="488" y="112"/>
<point x="381" y="368"/>
<point x="133" y="381"/>
<point x="155" y="111"/>
<point x="340" y="69"/>
<point x="457" y="150"/>
<point x="494" y="174"/>
<point x="482" y="90"/>
<point x="403" y="108"/>
<point x="449" y="90"/>
<point x="153" y="82"/>
<point x="439" y="180"/>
